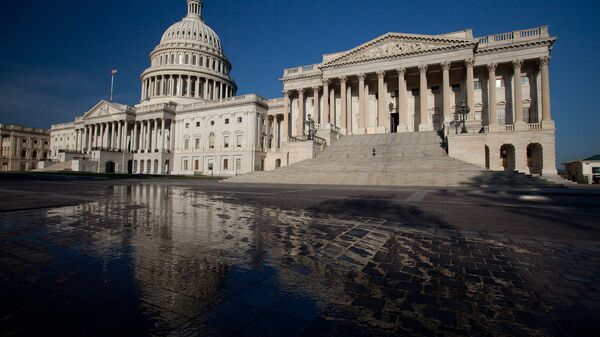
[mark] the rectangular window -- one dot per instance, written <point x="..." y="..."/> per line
<point x="239" y="119"/>
<point x="226" y="142"/>
<point x="211" y="165"/>
<point x="185" y="165"/>
<point x="186" y="144"/>
<point x="226" y="120"/>
<point x="477" y="85"/>
<point x="197" y="124"/>
<point x="500" y="83"/>
<point x="226" y="164"/>
<point x="435" y="90"/>
<point x="456" y="88"/>
<point x="501" y="116"/>
<point x="238" y="141"/>
<point x="238" y="164"/>
<point x="596" y="170"/>
<point x="525" y="81"/>
<point x="187" y="125"/>
<point x="196" y="165"/>
<point x="197" y="145"/>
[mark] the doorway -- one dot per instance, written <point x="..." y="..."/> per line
<point x="395" y="122"/>
<point x="110" y="167"/>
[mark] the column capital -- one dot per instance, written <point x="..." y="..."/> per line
<point x="518" y="63"/>
<point x="326" y="81"/>
<point x="343" y="79"/>
<point x="492" y="66"/>
<point x="286" y="93"/>
<point x="362" y="76"/>
<point x="401" y="71"/>
<point x="470" y="62"/>
<point x="301" y="91"/>
<point x="445" y="65"/>
<point x="316" y="89"/>
<point x="381" y="74"/>
<point x="423" y="68"/>
<point x="545" y="60"/>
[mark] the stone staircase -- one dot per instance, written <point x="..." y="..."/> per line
<point x="57" y="167"/>
<point x="404" y="159"/>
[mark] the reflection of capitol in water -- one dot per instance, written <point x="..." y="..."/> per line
<point x="180" y="246"/>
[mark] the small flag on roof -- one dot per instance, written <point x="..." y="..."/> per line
<point x="113" y="71"/>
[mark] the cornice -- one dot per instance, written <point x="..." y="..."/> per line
<point x="545" y="42"/>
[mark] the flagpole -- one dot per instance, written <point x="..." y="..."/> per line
<point x="112" y="84"/>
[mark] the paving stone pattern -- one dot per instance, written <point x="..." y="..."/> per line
<point x="168" y="260"/>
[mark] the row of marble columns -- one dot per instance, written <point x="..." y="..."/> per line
<point x="425" y="123"/>
<point x="143" y="136"/>
<point x="185" y="86"/>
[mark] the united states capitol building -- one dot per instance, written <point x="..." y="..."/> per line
<point x="486" y="99"/>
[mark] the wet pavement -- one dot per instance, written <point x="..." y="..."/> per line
<point x="180" y="258"/>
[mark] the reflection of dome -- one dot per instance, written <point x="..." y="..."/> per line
<point x="189" y="63"/>
<point x="192" y="29"/>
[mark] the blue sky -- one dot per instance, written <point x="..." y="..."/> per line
<point x="56" y="55"/>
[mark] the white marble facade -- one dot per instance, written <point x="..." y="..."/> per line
<point x="190" y="121"/>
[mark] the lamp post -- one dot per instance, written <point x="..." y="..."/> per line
<point x="461" y="115"/>
<point x="310" y="125"/>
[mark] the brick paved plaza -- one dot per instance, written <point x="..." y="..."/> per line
<point x="174" y="257"/>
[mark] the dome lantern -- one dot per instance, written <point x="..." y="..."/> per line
<point x="195" y="8"/>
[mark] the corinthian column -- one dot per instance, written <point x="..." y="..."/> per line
<point x="381" y="109"/>
<point x="546" y="116"/>
<point x="469" y="63"/>
<point x="361" y="103"/>
<point x="446" y="91"/>
<point x="315" y="115"/>
<point x="326" y="101"/>
<point x="402" y="111"/>
<point x="518" y="95"/>
<point x="300" y="118"/>
<point x="423" y="99"/>
<point x="286" y="114"/>
<point x="492" y="109"/>
<point x="343" y="93"/>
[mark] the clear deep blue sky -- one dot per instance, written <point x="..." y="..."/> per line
<point x="56" y="55"/>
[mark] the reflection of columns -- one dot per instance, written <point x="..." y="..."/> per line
<point x="361" y="103"/>
<point x="344" y="103"/>
<point x="518" y="93"/>
<point x="469" y="63"/>
<point x="423" y="99"/>
<point x="446" y="91"/>
<point x="300" y="118"/>
<point x="544" y="64"/>
<point x="315" y="115"/>
<point x="402" y="107"/>
<point x="492" y="110"/>
<point x="381" y="98"/>
<point x="286" y="113"/>
<point x="325" y="113"/>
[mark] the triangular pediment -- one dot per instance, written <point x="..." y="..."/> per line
<point x="104" y="108"/>
<point x="393" y="45"/>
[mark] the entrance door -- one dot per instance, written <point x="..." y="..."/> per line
<point x="110" y="167"/>
<point x="130" y="167"/>
<point x="395" y="121"/>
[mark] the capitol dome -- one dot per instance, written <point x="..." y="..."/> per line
<point x="192" y="29"/>
<point x="189" y="63"/>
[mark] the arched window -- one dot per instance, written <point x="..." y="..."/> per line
<point x="211" y="141"/>
<point x="187" y="59"/>
<point x="172" y="58"/>
<point x="194" y="60"/>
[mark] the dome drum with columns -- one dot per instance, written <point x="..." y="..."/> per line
<point x="189" y="64"/>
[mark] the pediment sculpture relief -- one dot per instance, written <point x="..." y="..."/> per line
<point x="391" y="49"/>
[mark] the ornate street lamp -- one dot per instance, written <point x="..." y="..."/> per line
<point x="461" y="115"/>
<point x="310" y="125"/>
